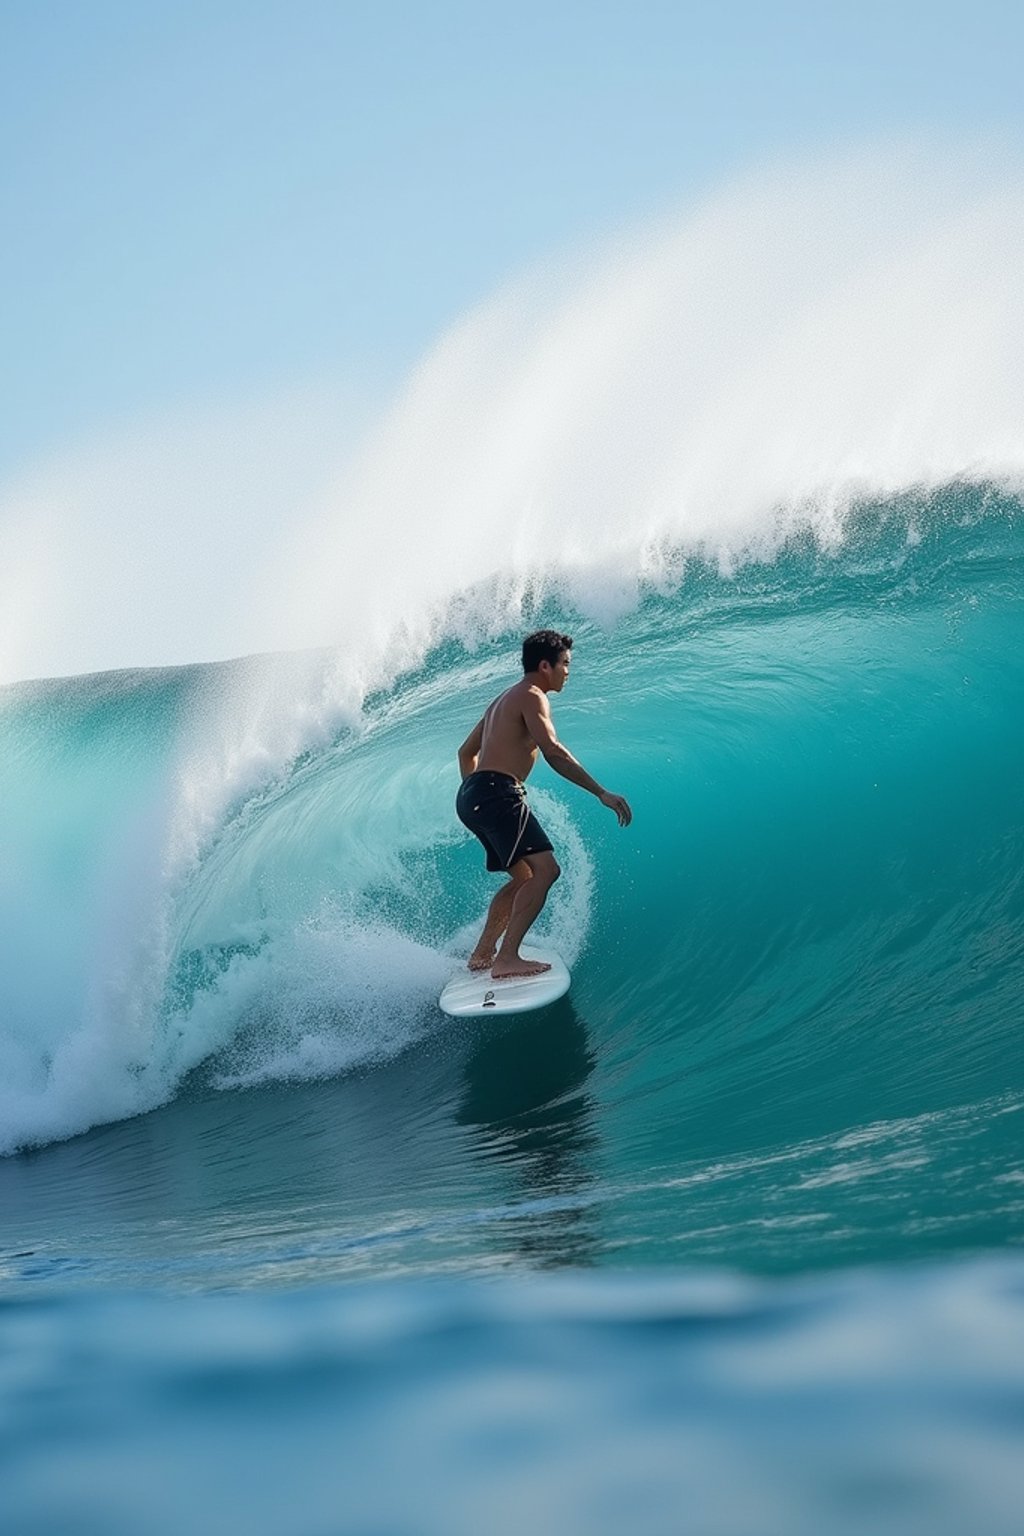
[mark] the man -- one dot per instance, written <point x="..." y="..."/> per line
<point x="495" y="759"/>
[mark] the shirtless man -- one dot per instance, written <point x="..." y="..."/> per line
<point x="495" y="759"/>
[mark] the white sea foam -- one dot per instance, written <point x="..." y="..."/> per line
<point x="325" y="997"/>
<point x="806" y="336"/>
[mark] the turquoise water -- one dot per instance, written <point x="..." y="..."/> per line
<point x="785" y="1091"/>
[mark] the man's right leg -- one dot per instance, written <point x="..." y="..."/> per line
<point x="527" y="903"/>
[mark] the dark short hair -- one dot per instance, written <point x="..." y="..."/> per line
<point x="544" y="645"/>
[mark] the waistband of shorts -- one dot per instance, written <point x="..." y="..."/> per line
<point x="505" y="780"/>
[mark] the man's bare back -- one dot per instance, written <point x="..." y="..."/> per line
<point x="505" y="743"/>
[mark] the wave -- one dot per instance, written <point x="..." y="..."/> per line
<point x="765" y="462"/>
<point x="821" y="893"/>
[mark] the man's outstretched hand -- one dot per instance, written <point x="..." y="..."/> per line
<point x="618" y="805"/>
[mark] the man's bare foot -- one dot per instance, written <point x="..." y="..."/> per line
<point x="481" y="962"/>
<point x="503" y="970"/>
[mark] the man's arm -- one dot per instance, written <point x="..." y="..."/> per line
<point x="537" y="715"/>
<point x="470" y="749"/>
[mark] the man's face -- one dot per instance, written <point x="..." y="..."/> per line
<point x="560" y="672"/>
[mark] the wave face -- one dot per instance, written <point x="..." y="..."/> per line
<point x="796" y="1007"/>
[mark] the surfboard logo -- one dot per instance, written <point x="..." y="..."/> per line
<point x="489" y="1000"/>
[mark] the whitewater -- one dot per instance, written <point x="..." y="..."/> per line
<point x="765" y="462"/>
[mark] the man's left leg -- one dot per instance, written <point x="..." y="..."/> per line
<point x="529" y="899"/>
<point x="498" y="914"/>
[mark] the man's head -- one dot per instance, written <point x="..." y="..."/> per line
<point x="547" y="653"/>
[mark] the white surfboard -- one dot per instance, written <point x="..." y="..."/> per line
<point x="476" y="994"/>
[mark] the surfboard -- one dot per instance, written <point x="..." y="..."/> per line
<point x="476" y="994"/>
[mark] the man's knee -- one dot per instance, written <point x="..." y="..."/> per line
<point x="545" y="867"/>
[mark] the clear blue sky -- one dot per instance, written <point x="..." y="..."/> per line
<point x="206" y="199"/>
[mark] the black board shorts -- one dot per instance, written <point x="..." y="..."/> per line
<point x="493" y="806"/>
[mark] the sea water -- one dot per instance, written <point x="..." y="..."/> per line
<point x="726" y="1240"/>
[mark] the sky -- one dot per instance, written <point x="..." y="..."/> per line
<point x="230" y="228"/>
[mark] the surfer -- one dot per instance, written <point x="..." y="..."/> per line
<point x="495" y="760"/>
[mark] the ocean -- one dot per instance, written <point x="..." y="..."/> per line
<point x="726" y="1240"/>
